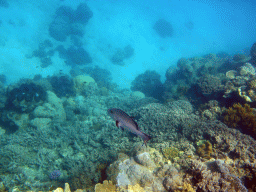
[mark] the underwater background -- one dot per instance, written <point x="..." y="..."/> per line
<point x="183" y="70"/>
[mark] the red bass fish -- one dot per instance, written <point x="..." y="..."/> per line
<point x="124" y="121"/>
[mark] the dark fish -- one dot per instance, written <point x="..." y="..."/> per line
<point x="123" y="120"/>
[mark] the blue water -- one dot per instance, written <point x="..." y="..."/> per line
<point x="217" y="26"/>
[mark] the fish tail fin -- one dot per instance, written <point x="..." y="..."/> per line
<point x="146" y="138"/>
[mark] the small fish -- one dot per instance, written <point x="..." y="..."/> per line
<point x="123" y="120"/>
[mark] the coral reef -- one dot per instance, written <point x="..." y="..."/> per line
<point x="76" y="136"/>
<point x="197" y="79"/>
<point x="74" y="55"/>
<point x="121" y="54"/>
<point x="44" y="52"/>
<point x="204" y="149"/>
<point x="209" y="85"/>
<point x="148" y="83"/>
<point x="170" y="153"/>
<point x="62" y="85"/>
<point x="231" y="74"/>
<point x="211" y="110"/>
<point x="163" y="28"/>
<point x="25" y="97"/>
<point x="53" y="109"/>
<point x="164" y="122"/>
<point x="241" y="116"/>
<point x="77" y="56"/>
<point x="106" y="186"/>
<point x="3" y="97"/>
<point x="137" y="95"/>
<point x="138" y="170"/>
<point x="253" y="54"/>
<point x="4" y="3"/>
<point x="69" y="22"/>
<point x="101" y="76"/>
<point x="2" y="78"/>
<point x="215" y="177"/>
<point x="85" y="85"/>
<point x="241" y="58"/>
<point x="247" y="70"/>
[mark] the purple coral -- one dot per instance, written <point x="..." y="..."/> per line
<point x="55" y="174"/>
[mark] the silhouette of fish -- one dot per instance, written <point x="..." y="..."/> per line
<point x="124" y="121"/>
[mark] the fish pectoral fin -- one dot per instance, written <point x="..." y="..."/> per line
<point x="137" y="127"/>
<point x="117" y="123"/>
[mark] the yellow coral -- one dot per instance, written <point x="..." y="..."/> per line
<point x="204" y="149"/>
<point x="170" y="153"/>
<point x="107" y="186"/>
<point x="186" y="188"/>
<point x="132" y="188"/>
<point x="135" y="188"/>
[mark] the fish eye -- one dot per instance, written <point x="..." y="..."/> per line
<point x="111" y="111"/>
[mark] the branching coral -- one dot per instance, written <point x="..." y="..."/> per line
<point x="241" y="116"/>
<point x="219" y="179"/>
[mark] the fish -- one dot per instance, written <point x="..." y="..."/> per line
<point x="124" y="121"/>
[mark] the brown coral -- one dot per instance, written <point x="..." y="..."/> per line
<point x="204" y="149"/>
<point x="241" y="116"/>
